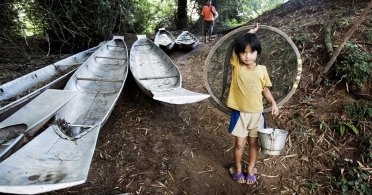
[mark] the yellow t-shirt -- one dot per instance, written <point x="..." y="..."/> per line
<point x="246" y="86"/>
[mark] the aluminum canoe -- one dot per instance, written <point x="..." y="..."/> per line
<point x="60" y="156"/>
<point x="20" y="127"/>
<point x="156" y="74"/>
<point x="164" y="39"/>
<point x="26" y="82"/>
<point x="65" y="68"/>
<point x="186" y="41"/>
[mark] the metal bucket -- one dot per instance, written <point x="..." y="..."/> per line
<point x="272" y="140"/>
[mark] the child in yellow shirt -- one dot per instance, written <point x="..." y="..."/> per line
<point x="249" y="82"/>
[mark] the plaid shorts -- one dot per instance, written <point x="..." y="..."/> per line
<point x="243" y="124"/>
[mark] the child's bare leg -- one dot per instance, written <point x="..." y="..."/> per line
<point x="238" y="153"/>
<point x="253" y="150"/>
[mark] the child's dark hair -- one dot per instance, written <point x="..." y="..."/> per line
<point x="247" y="39"/>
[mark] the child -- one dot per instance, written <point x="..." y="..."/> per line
<point x="249" y="82"/>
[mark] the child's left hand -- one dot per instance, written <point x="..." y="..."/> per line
<point x="274" y="110"/>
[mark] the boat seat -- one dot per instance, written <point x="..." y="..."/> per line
<point x="143" y="47"/>
<point x="97" y="85"/>
<point x="100" y="80"/>
<point x="83" y="126"/>
<point x="115" y="48"/>
<point x="111" y="58"/>
<point x="139" y="45"/>
<point x="158" y="77"/>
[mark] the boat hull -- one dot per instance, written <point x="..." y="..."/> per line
<point x="157" y="76"/>
<point x="20" y="127"/>
<point x="27" y="82"/>
<point x="186" y="41"/>
<point x="42" y="167"/>
<point x="164" y="39"/>
<point x="60" y="156"/>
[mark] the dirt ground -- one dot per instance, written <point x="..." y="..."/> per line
<point x="149" y="147"/>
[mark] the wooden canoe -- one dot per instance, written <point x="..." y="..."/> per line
<point x="164" y="39"/>
<point x="157" y="75"/>
<point x="186" y="41"/>
<point x="29" y="82"/>
<point x="60" y="156"/>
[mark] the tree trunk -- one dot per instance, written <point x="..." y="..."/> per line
<point x="182" y="15"/>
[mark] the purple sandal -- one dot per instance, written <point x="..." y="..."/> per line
<point x="251" y="179"/>
<point x="238" y="177"/>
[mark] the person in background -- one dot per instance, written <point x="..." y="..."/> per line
<point x="249" y="84"/>
<point x="209" y="14"/>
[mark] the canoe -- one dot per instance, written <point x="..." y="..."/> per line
<point x="14" y="106"/>
<point x="19" y="128"/>
<point x="164" y="39"/>
<point x="60" y="156"/>
<point x="62" y="70"/>
<point x="186" y="41"/>
<point x="156" y="74"/>
<point x="26" y="82"/>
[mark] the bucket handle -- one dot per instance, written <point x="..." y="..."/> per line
<point x="273" y="135"/>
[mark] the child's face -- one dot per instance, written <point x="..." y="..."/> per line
<point x="248" y="57"/>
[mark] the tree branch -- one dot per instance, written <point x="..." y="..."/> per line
<point x="357" y="22"/>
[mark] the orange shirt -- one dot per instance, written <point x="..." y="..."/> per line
<point x="207" y="13"/>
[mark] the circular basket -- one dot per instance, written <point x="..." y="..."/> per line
<point x="279" y="54"/>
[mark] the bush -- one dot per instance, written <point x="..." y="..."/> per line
<point x="356" y="112"/>
<point x="356" y="65"/>
<point x="355" y="181"/>
<point x="359" y="110"/>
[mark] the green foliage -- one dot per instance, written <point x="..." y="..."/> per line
<point x="356" y="112"/>
<point x="239" y="12"/>
<point x="314" y="186"/>
<point x="348" y="125"/>
<point x="368" y="36"/>
<point x="303" y="38"/>
<point x="355" y="181"/>
<point x="84" y="23"/>
<point x="77" y="24"/>
<point x="9" y="25"/>
<point x="356" y="64"/>
<point x="163" y="14"/>
<point x="359" y="110"/>
<point x="366" y="148"/>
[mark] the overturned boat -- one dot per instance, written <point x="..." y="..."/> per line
<point x="157" y="75"/>
<point x="60" y="156"/>
<point x="186" y="41"/>
<point x="164" y="39"/>
<point x="53" y="76"/>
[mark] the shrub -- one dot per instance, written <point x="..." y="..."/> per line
<point x="356" y="65"/>
<point x="359" y="110"/>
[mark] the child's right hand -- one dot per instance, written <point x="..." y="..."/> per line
<point x="254" y="30"/>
